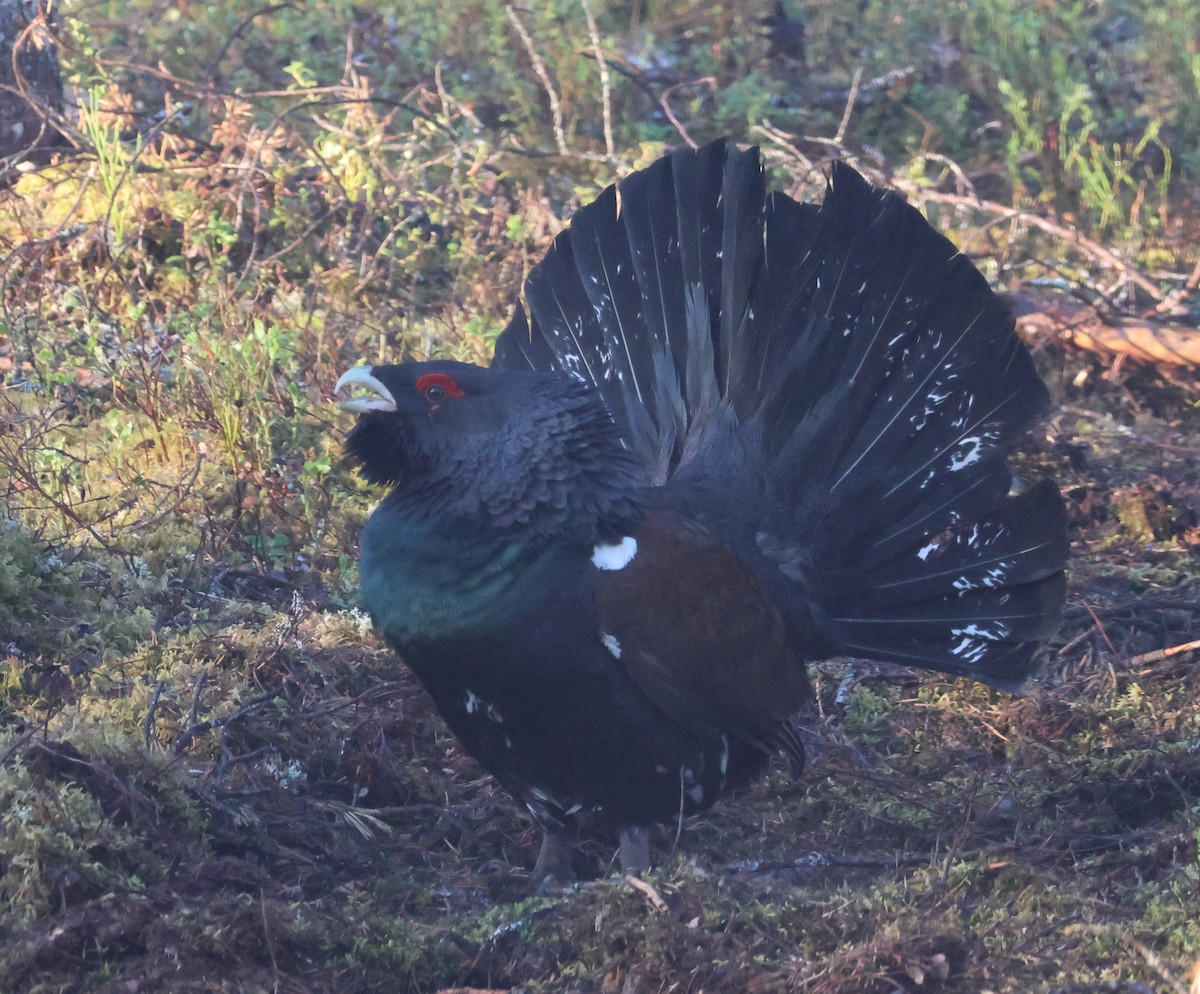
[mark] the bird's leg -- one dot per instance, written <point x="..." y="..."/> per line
<point x="554" y="863"/>
<point x="635" y="849"/>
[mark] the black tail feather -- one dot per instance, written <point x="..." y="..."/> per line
<point x="644" y="295"/>
<point x="868" y="378"/>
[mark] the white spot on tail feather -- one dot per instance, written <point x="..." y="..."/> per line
<point x="474" y="704"/>
<point x="615" y="556"/>
<point x="970" y="451"/>
<point x="970" y="650"/>
<point x="925" y="551"/>
<point x="611" y="644"/>
<point x="996" y="633"/>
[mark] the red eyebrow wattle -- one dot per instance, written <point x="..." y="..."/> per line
<point x="439" y="380"/>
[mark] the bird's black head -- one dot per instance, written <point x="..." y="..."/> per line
<point x="462" y="441"/>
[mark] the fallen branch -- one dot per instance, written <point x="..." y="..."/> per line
<point x="1083" y="327"/>
<point x="1158" y="655"/>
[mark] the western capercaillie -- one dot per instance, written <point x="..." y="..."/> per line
<point x="733" y="433"/>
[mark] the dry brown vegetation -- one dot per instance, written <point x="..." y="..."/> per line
<point x="213" y="778"/>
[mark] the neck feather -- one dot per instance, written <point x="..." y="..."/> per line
<point x="558" y="466"/>
<point x="423" y="583"/>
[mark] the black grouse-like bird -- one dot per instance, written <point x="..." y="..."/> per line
<point x="734" y="433"/>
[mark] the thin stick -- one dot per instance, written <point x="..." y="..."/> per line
<point x="1158" y="655"/>
<point x="539" y="67"/>
<point x="652" y="895"/>
<point x="1001" y="212"/>
<point x="1100" y="627"/>
<point x="1081" y="637"/>
<point x="1085" y="245"/>
<point x="605" y="83"/>
<point x="841" y="131"/>
<point x="148" y="724"/>
<point x="666" y="106"/>
<point x="1175" y="298"/>
<point x="1157" y="965"/>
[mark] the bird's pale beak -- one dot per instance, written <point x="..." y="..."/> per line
<point x="358" y="390"/>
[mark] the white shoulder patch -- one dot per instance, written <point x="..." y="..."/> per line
<point x="615" y="556"/>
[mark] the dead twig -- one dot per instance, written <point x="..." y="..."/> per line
<point x="1153" y="960"/>
<point x="1003" y="213"/>
<point x="653" y="898"/>
<point x="539" y="67"/>
<point x="199" y="728"/>
<point x="148" y="724"/>
<point x="850" y="98"/>
<point x="1083" y="636"/>
<point x="605" y="82"/>
<point x="1175" y="297"/>
<point x="1100" y="627"/>
<point x="1158" y="655"/>
<point x="665" y="103"/>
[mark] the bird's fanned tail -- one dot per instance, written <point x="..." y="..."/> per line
<point x="862" y="371"/>
<point x="643" y="297"/>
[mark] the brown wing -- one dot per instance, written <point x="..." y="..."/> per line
<point x="689" y="622"/>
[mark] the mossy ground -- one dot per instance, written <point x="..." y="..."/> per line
<point x="211" y="775"/>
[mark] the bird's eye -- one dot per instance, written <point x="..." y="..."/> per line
<point x="437" y="386"/>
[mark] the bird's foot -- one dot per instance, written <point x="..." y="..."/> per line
<point x="635" y="849"/>
<point x="554" y="868"/>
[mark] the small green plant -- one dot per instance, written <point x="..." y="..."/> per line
<point x="1107" y="179"/>
<point x="114" y="163"/>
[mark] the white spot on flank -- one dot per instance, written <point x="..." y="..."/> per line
<point x="611" y="644"/>
<point x="615" y="556"/>
<point x="924" y="552"/>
